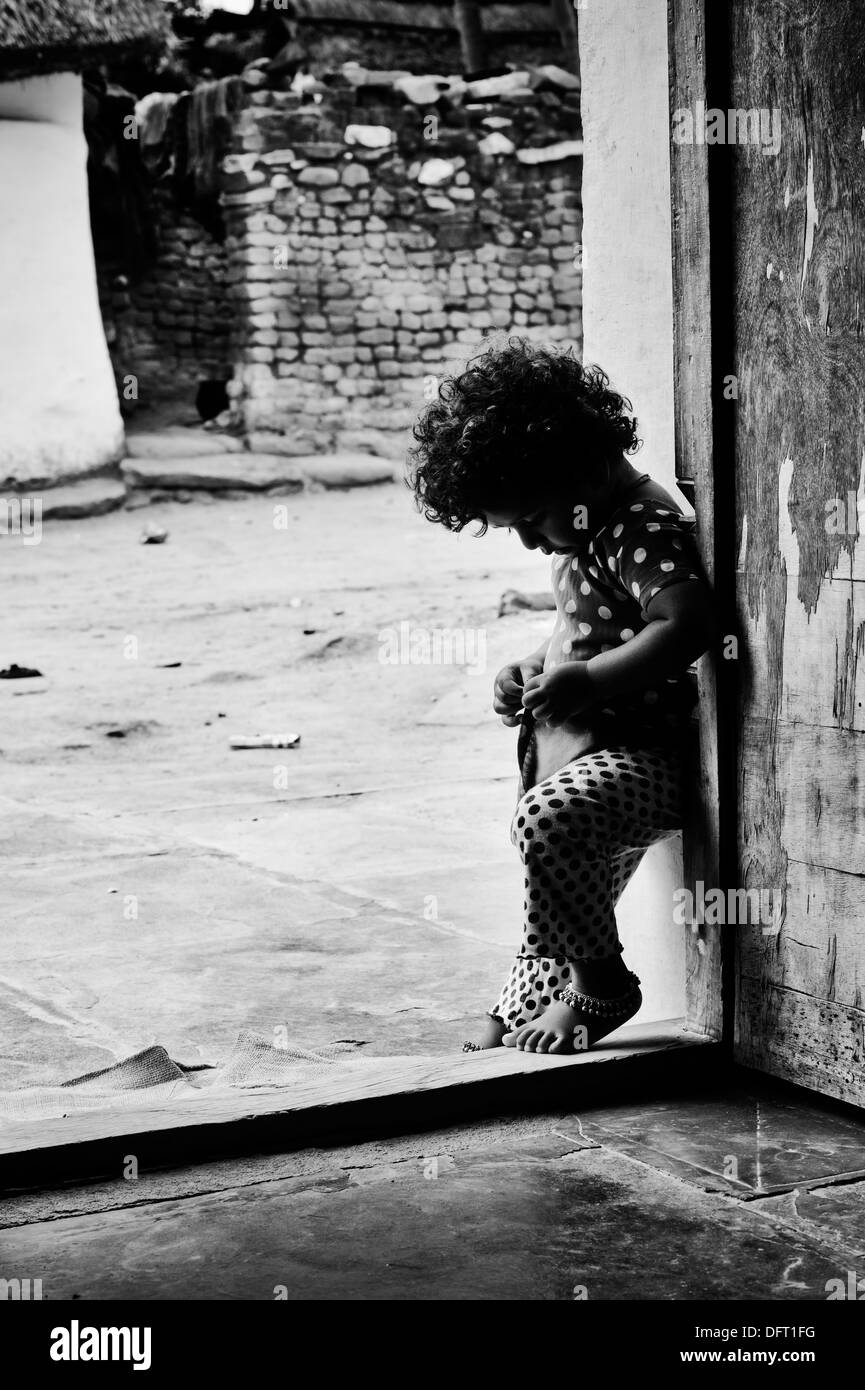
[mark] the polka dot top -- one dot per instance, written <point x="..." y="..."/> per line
<point x="601" y="599"/>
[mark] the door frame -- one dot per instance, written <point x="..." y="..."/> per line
<point x="703" y="357"/>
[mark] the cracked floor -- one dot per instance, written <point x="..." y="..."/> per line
<point x="751" y="1192"/>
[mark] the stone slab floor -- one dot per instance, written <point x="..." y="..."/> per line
<point x="160" y="887"/>
<point x="748" y="1192"/>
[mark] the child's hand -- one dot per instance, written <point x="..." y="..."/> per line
<point x="508" y="688"/>
<point x="558" y="695"/>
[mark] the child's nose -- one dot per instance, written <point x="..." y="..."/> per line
<point x="530" y="539"/>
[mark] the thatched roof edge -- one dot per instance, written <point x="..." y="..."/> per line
<point x="52" y="35"/>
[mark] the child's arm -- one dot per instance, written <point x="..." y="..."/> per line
<point x="681" y="626"/>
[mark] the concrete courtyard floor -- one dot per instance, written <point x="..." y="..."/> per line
<point x="161" y="887"/>
<point x="743" y="1192"/>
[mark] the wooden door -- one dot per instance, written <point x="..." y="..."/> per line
<point x="784" y="235"/>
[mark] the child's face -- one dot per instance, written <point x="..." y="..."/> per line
<point x="555" y="523"/>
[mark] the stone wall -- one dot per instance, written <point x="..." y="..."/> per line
<point x="171" y="327"/>
<point x="375" y="234"/>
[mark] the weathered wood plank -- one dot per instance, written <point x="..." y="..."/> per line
<point x="401" y="1095"/>
<point x="818" y="949"/>
<point x="820" y="523"/>
<point x="824" y="680"/>
<point x="824" y="656"/>
<point x="820" y="818"/>
<point x="692" y="369"/>
<point x="800" y="264"/>
<point x="799" y="187"/>
<point x="811" y="1042"/>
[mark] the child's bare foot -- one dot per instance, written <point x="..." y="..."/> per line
<point x="489" y="1036"/>
<point x="561" y="1028"/>
<point x="551" y="1031"/>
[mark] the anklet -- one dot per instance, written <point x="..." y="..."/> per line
<point x="601" y="1008"/>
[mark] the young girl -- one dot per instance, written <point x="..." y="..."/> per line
<point x="529" y="439"/>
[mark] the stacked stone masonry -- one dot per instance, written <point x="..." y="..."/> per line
<point x="375" y="239"/>
<point x="377" y="229"/>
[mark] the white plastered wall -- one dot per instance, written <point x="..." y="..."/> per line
<point x="628" y="330"/>
<point x="58" y="402"/>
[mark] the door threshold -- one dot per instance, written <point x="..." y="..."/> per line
<point x="391" y="1095"/>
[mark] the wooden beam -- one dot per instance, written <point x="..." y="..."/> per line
<point x="564" y="14"/>
<point x="467" y="16"/>
<point x="692" y="370"/>
<point x="400" y="1095"/>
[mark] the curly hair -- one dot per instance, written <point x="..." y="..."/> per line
<point x="521" y="420"/>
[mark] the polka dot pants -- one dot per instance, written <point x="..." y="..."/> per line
<point x="581" y="835"/>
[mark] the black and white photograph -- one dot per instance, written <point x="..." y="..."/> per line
<point x="432" y="670"/>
